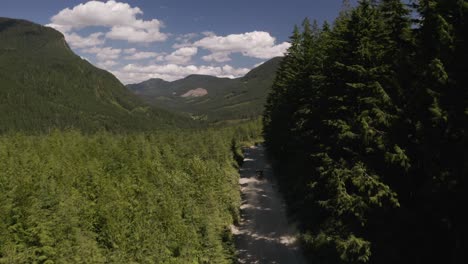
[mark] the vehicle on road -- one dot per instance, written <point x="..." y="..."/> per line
<point x="259" y="174"/>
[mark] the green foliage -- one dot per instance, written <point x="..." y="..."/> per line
<point x="367" y="124"/>
<point x="105" y="198"/>
<point x="44" y="85"/>
<point x="70" y="192"/>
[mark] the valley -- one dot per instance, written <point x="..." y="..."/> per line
<point x="340" y="140"/>
<point x="90" y="173"/>
<point x="211" y="98"/>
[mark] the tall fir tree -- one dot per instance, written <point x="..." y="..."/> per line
<point x="370" y="133"/>
<point x="438" y="116"/>
<point x="277" y="106"/>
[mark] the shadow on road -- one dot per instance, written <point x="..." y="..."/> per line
<point x="264" y="234"/>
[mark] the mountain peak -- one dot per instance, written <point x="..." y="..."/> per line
<point x="213" y="97"/>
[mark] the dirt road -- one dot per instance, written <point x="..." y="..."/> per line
<point x="264" y="234"/>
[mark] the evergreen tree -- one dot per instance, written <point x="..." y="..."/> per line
<point x="278" y="106"/>
<point x="372" y="112"/>
<point x="439" y="122"/>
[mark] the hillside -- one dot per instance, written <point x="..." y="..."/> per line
<point x="44" y="85"/>
<point x="212" y="98"/>
<point x="71" y="192"/>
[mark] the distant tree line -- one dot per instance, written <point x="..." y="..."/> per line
<point x="367" y="123"/>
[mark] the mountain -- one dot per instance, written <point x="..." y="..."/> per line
<point x="212" y="98"/>
<point x="44" y="85"/>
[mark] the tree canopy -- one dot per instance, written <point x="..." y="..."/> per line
<point x="367" y="124"/>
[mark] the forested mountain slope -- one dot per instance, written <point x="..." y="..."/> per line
<point x="73" y="193"/>
<point x="212" y="98"/>
<point x="368" y="123"/>
<point x="44" y="85"/>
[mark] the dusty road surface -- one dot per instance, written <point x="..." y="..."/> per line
<point x="264" y="234"/>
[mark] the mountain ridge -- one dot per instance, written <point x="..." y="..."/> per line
<point x="238" y="98"/>
<point x="45" y="85"/>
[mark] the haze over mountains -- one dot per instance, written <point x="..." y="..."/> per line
<point x="43" y="85"/>
<point x="211" y="98"/>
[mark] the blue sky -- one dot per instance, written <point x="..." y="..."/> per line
<point x="141" y="39"/>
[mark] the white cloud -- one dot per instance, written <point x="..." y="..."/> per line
<point x="135" y="35"/>
<point x="76" y="41"/>
<point x="217" y="56"/>
<point x="120" y="17"/>
<point x="258" y="64"/>
<point x="86" y="59"/>
<point x="141" y="55"/>
<point x="182" y="55"/>
<point x="130" y="51"/>
<point x="256" y="44"/>
<point x="133" y="73"/>
<point x="186" y="37"/>
<point x="160" y="58"/>
<point x="121" y="21"/>
<point x="230" y="72"/>
<point x="184" y="40"/>
<point x="208" y="33"/>
<point x="105" y="53"/>
<point x="106" y="64"/>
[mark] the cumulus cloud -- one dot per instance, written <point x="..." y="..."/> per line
<point x="184" y="40"/>
<point x="106" y="64"/>
<point x="141" y="55"/>
<point x="217" y="56"/>
<point x="130" y="51"/>
<point x="135" y="35"/>
<point x="208" y="33"/>
<point x="77" y="41"/>
<point x="256" y="44"/>
<point x="186" y="37"/>
<point x="133" y="73"/>
<point x="104" y="53"/>
<point x="120" y="21"/>
<point x="120" y="17"/>
<point x="182" y="55"/>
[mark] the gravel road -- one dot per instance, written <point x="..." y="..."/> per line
<point x="264" y="234"/>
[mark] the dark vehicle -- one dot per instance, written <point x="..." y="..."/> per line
<point x="259" y="174"/>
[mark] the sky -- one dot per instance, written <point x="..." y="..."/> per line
<point x="170" y="39"/>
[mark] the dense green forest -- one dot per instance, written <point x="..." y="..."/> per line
<point x="226" y="99"/>
<point x="91" y="174"/>
<point x="43" y="84"/>
<point x="367" y="122"/>
<point x="162" y="197"/>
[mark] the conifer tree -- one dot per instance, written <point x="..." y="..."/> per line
<point x="278" y="105"/>
<point x="372" y="131"/>
<point x="437" y="110"/>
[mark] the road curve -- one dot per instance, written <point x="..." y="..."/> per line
<point x="264" y="234"/>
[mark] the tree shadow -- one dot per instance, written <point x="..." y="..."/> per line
<point x="264" y="250"/>
<point x="264" y="234"/>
